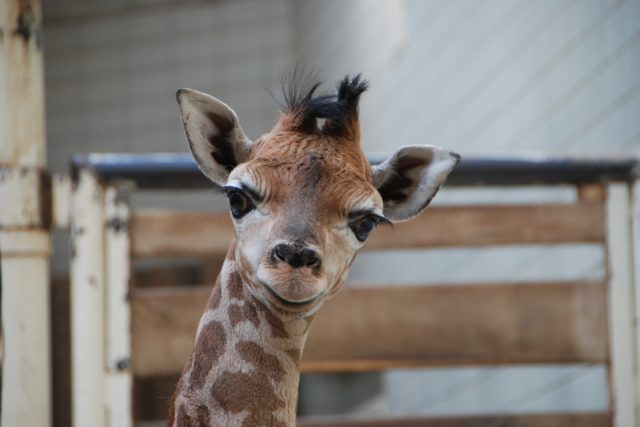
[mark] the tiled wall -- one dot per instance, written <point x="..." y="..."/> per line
<point x="111" y="77"/>
<point x="112" y="70"/>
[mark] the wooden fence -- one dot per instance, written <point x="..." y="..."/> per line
<point x="120" y="333"/>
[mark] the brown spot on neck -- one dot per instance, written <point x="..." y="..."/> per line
<point x="262" y="361"/>
<point x="208" y="349"/>
<point x="236" y="392"/>
<point x="235" y="314"/>
<point x="234" y="286"/>
<point x="216" y="296"/>
<point x="276" y="325"/>
<point x="203" y="415"/>
<point x="238" y="314"/>
<point x="182" y="419"/>
<point x="250" y="313"/>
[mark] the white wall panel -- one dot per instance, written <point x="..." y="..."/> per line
<point x="487" y="77"/>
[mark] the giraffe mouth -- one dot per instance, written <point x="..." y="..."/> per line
<point x="287" y="303"/>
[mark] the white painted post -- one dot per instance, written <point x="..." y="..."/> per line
<point x="24" y="221"/>
<point x="635" y="223"/>
<point x="622" y="305"/>
<point x="119" y="381"/>
<point x="87" y="303"/>
<point x="25" y="319"/>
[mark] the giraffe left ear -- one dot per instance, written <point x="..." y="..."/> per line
<point x="410" y="178"/>
<point x="216" y="139"/>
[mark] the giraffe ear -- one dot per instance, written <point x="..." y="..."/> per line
<point x="408" y="180"/>
<point x="215" y="137"/>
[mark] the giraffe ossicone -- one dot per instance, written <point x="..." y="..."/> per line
<point x="303" y="199"/>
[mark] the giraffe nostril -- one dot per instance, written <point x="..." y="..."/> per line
<point x="280" y="253"/>
<point x="310" y="258"/>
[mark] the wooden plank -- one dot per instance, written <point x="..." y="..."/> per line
<point x="166" y="233"/>
<point x="175" y="312"/>
<point x="495" y="225"/>
<point x="579" y="419"/>
<point x="592" y="193"/>
<point x="594" y="419"/>
<point x="412" y="326"/>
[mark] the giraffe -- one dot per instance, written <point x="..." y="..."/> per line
<point x="303" y="200"/>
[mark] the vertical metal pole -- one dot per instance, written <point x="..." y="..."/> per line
<point x="24" y="226"/>
<point x="623" y="347"/>
<point x="119" y="381"/>
<point x="88" y="365"/>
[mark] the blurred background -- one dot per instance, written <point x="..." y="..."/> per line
<point x="490" y="77"/>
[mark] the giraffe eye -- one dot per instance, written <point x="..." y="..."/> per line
<point x="239" y="203"/>
<point x="361" y="227"/>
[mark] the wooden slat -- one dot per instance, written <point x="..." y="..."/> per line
<point x="163" y="327"/>
<point x="412" y="326"/>
<point x="579" y="419"/>
<point x="495" y="225"/>
<point x="595" y="419"/>
<point x="187" y="233"/>
<point x="172" y="233"/>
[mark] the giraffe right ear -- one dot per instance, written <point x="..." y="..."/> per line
<point x="215" y="137"/>
<point x="410" y="178"/>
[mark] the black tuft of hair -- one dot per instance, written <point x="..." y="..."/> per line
<point x="349" y="91"/>
<point x="339" y="109"/>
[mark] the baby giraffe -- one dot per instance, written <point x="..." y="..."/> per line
<point x="303" y="199"/>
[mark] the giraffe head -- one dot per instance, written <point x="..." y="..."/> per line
<point x="303" y="197"/>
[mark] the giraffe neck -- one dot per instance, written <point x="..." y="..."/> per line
<point x="243" y="370"/>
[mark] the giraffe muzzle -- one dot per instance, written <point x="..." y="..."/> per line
<point x="295" y="257"/>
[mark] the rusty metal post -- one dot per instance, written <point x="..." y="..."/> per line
<point x="24" y="219"/>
